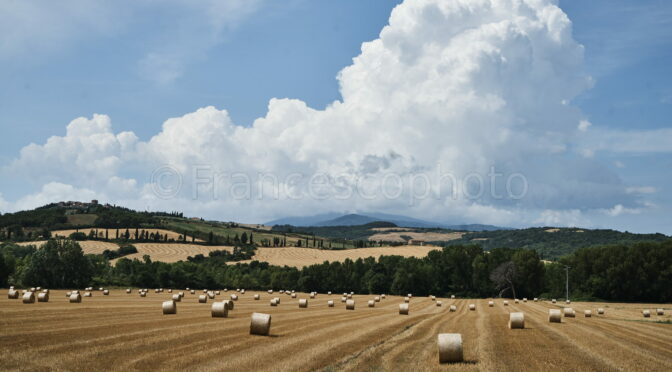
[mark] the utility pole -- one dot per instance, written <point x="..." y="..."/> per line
<point x="567" y="282"/>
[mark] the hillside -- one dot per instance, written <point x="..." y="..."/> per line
<point x="552" y="243"/>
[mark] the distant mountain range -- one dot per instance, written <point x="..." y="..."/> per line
<point x="337" y="219"/>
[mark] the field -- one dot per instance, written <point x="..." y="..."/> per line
<point x="112" y="232"/>
<point x="300" y="257"/>
<point x="88" y="246"/>
<point x="125" y="332"/>
<point x="429" y="236"/>
<point x="168" y="252"/>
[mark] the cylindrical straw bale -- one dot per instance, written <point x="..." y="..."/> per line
<point x="143" y="294"/>
<point x="452" y="297"/>
<point x="293" y="295"/>
<point x="211" y="295"/>
<point x="453" y="308"/>
<point x="75" y="298"/>
<point x="270" y="291"/>
<point x="45" y="291"/>
<point x="88" y="294"/>
<point x="407" y="299"/>
<point x="177" y="298"/>
<point x="536" y="299"/>
<point x="229" y="304"/>
<point x="260" y="324"/>
<point x="350" y="305"/>
<point x="242" y="291"/>
<point x="128" y="290"/>
<point x="383" y="296"/>
<point x="372" y="303"/>
<point x="181" y="294"/>
<point x="277" y="299"/>
<point x="329" y="293"/>
<point x="156" y="290"/>
<point x="29" y="297"/>
<point x="554" y="316"/>
<point x="312" y="295"/>
<point x="192" y="291"/>
<point x="234" y="297"/>
<point x="202" y="299"/>
<point x="587" y="313"/>
<point x="491" y="303"/>
<point x="600" y="311"/>
<point x="106" y="292"/>
<point x="170" y="290"/>
<point x="330" y="303"/>
<point x="472" y="307"/>
<point x="524" y="299"/>
<point x="257" y="297"/>
<point x="553" y="300"/>
<point x="506" y="303"/>
<point x="403" y="309"/>
<point x="646" y="313"/>
<point x="439" y="303"/>
<point x="169" y="307"/>
<point x="343" y="299"/>
<point x="568" y="302"/>
<point x="517" y="320"/>
<point x="13" y="294"/>
<point x="303" y="303"/>
<point x="450" y="348"/>
<point x="660" y="312"/>
<point x="43" y="297"/>
<point x="274" y="302"/>
<point x="219" y="310"/>
<point x="67" y="294"/>
<point x="409" y="295"/>
<point x="433" y="298"/>
<point x="37" y="289"/>
<point x="377" y="298"/>
<point x="569" y="312"/>
<point x="516" y="301"/>
<point x="101" y="288"/>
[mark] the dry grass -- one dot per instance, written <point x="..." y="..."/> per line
<point x="88" y="246"/>
<point x="112" y="232"/>
<point x="173" y="252"/>
<point x="300" y="257"/>
<point x="125" y="332"/>
<point x="426" y="236"/>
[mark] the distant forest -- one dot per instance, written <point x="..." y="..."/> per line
<point x="624" y="272"/>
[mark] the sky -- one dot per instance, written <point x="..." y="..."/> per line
<point x="507" y="112"/>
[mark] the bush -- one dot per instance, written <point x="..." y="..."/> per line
<point x="78" y="236"/>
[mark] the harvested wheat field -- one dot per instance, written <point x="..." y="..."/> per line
<point x="172" y="252"/>
<point x="300" y="257"/>
<point x="112" y="232"/>
<point x="127" y="332"/>
<point x="397" y="236"/>
<point x="88" y="246"/>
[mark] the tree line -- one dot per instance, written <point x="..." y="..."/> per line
<point x="636" y="272"/>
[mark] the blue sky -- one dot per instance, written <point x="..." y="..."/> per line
<point x="141" y="64"/>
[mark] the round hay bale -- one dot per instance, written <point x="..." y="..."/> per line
<point x="407" y="299"/>
<point x="242" y="291"/>
<point x="186" y="289"/>
<point x="202" y="299"/>
<point x="181" y="294"/>
<point x="43" y="297"/>
<point x="646" y="313"/>
<point x="600" y="311"/>
<point x="472" y="307"/>
<point x="524" y="299"/>
<point x="330" y="303"/>
<point x="383" y="296"/>
<point x="303" y="303"/>
<point x="169" y="307"/>
<point x="217" y="293"/>
<point x="372" y="303"/>
<point x="270" y="291"/>
<point x="433" y="298"/>
<point x="569" y="312"/>
<point x="211" y="295"/>
<point x="32" y="289"/>
<point x="13" y="294"/>
<point x="38" y="289"/>
<point x="377" y="298"/>
<point x="192" y="291"/>
<point x="75" y="298"/>
<point x="75" y="291"/>
<point x="568" y="302"/>
<point x="536" y="299"/>
<point x="329" y="293"/>
<point x="143" y="294"/>
<point x="452" y="297"/>
<point x="293" y="295"/>
<point x="660" y="312"/>
<point x="11" y="287"/>
<point x="101" y="288"/>
<point x="506" y="303"/>
<point x="67" y="294"/>
<point x="128" y="290"/>
<point x="219" y="310"/>
<point x="260" y="324"/>
<point x="554" y="316"/>
<point x="205" y="291"/>
<point x="439" y="303"/>
<point x="343" y="299"/>
<point x="170" y="290"/>
<point x="256" y="297"/>
<point x="88" y="294"/>
<point x="587" y="313"/>
<point x="177" y="298"/>
<point x="450" y="348"/>
<point x="274" y="302"/>
<point x="277" y="299"/>
<point x="452" y="308"/>
<point x="491" y="304"/>
<point x="403" y="309"/>
<point x="229" y="304"/>
<point x="156" y="290"/>
<point x="349" y="296"/>
<point x="312" y="295"/>
<point x="352" y="293"/>
<point x="29" y="297"/>
<point x="516" y="301"/>
<point x="350" y="305"/>
<point x="234" y="297"/>
<point x="516" y="320"/>
<point x="553" y="300"/>
<point x="106" y="292"/>
<point x="409" y="295"/>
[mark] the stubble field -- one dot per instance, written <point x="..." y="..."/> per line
<point x="126" y="332"/>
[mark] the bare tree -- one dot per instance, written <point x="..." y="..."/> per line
<point x="503" y="277"/>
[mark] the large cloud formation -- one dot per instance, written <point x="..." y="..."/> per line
<point x="460" y="111"/>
